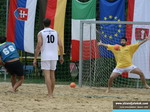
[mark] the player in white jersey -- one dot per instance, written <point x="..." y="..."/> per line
<point x="48" y="42"/>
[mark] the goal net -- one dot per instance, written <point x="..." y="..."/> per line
<point x="97" y="63"/>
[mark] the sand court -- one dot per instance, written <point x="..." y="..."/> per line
<point x="32" y="98"/>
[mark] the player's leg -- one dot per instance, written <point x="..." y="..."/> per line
<point x="142" y="77"/>
<point x="18" y="83"/>
<point x="110" y="80"/>
<point x="13" y="80"/>
<point x="53" y="64"/>
<point x="52" y="76"/>
<point x="48" y="82"/>
<point x="11" y="67"/>
<point x="45" y="66"/>
<point x="18" y="70"/>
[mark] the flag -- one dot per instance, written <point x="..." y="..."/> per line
<point x="84" y="11"/>
<point x="111" y="33"/>
<point x="139" y="11"/>
<point x="55" y="11"/>
<point x="20" y="29"/>
<point x="42" y="4"/>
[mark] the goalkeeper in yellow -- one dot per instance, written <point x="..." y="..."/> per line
<point x="123" y="58"/>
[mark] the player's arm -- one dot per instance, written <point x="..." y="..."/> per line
<point x="61" y="50"/>
<point x="38" y="48"/>
<point x="102" y="44"/>
<point x="143" y="41"/>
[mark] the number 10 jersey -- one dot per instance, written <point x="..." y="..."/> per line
<point x="49" y="50"/>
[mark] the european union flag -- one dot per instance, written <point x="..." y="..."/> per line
<point x="111" y="10"/>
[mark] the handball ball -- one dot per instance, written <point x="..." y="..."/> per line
<point x="116" y="47"/>
<point x="73" y="85"/>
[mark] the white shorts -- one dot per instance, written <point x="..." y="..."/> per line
<point x="49" y="65"/>
<point x="121" y="70"/>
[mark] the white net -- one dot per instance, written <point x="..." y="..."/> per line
<point x="97" y="67"/>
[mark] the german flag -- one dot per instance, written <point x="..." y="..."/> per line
<point x="54" y="10"/>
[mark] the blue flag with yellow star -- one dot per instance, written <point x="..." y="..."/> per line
<point x="111" y="10"/>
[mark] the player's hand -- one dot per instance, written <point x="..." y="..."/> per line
<point x="99" y="43"/>
<point x="61" y="60"/>
<point x="34" y="62"/>
<point x="148" y="37"/>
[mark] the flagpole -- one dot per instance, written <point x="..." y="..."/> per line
<point x="6" y="17"/>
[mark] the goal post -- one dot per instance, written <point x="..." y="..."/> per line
<point x="96" y="62"/>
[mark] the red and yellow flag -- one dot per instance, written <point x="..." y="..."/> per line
<point x="56" y="12"/>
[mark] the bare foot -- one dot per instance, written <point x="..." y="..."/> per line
<point x="14" y="90"/>
<point x="108" y="90"/>
<point x="50" y="96"/>
<point x="147" y="87"/>
<point x="11" y="91"/>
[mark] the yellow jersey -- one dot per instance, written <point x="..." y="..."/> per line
<point x="124" y="55"/>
